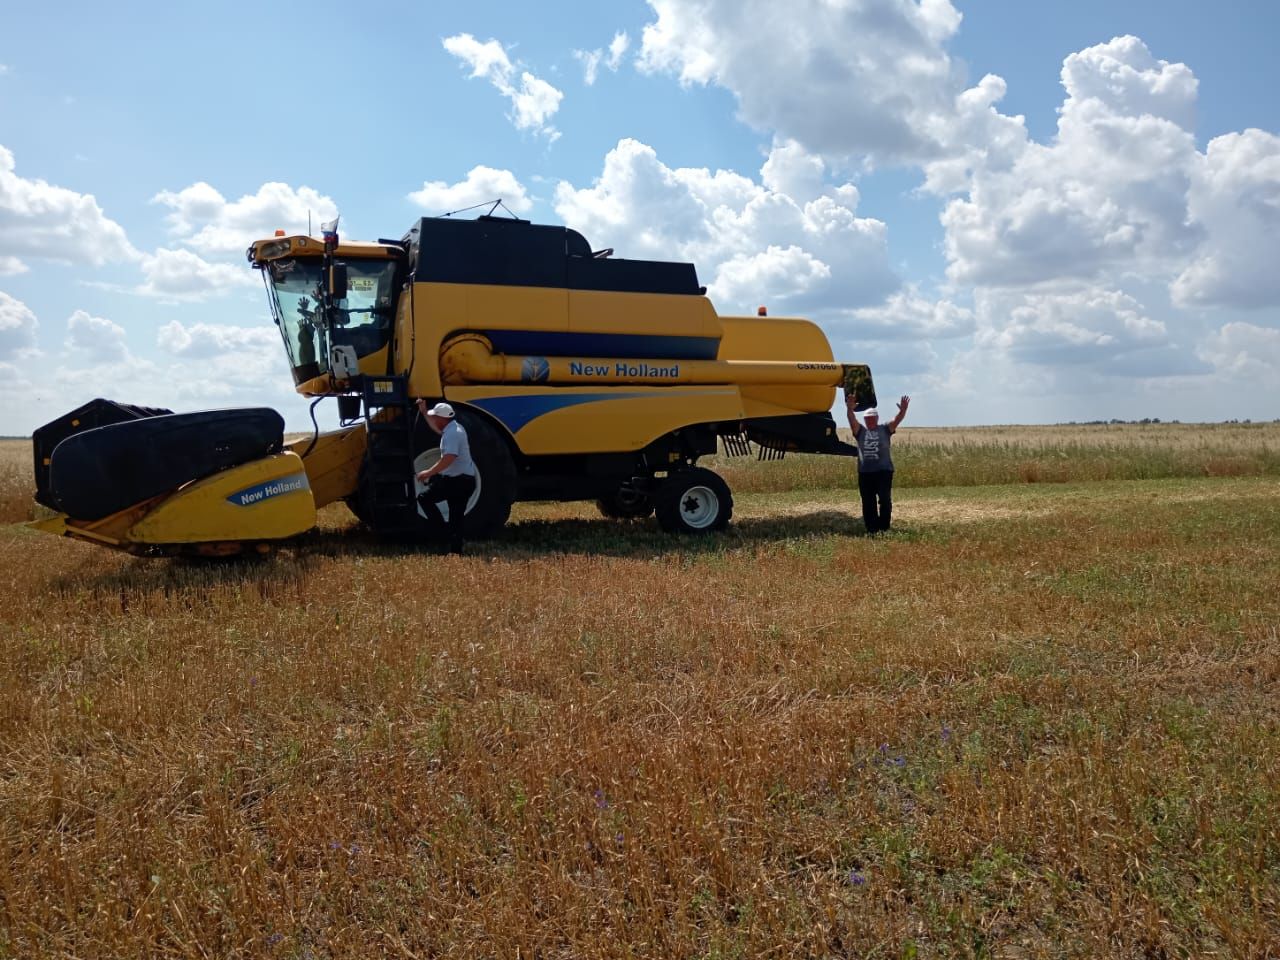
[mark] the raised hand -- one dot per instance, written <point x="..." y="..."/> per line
<point x="904" y="403"/>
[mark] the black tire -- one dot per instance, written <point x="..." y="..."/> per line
<point x="490" y="505"/>
<point x="626" y="503"/>
<point x="693" y="501"/>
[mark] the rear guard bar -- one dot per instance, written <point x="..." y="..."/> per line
<point x="799" y="433"/>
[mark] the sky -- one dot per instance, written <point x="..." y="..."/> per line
<point x="1015" y="212"/>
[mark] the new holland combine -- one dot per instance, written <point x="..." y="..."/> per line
<point x="578" y="376"/>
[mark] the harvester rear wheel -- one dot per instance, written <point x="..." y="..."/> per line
<point x="490" y="506"/>
<point x="693" y="501"/>
<point x="626" y="503"/>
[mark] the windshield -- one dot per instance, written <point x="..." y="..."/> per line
<point x="362" y="321"/>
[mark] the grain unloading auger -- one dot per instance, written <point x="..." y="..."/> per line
<point x="578" y="376"/>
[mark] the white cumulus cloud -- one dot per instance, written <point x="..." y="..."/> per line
<point x="1108" y="195"/>
<point x="783" y="273"/>
<point x="481" y="184"/>
<point x="40" y="220"/>
<point x="533" y="101"/>
<point x="97" y="339"/>
<point x="1244" y="351"/>
<point x="201" y="364"/>
<point x="755" y="244"/>
<point x="1235" y="197"/>
<point x="17" y="325"/>
<point x="1089" y="325"/>
<point x="610" y="57"/>
<point x="847" y="79"/>
<point x="907" y="315"/>
<point x="204" y="340"/>
<point x="1062" y="241"/>
<point x="180" y="275"/>
<point x="202" y="218"/>
<point x="1125" y="79"/>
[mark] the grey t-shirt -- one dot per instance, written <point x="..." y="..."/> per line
<point x="873" y="449"/>
<point x="454" y="440"/>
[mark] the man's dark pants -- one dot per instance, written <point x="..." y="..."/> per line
<point x="877" y="485"/>
<point x="455" y="491"/>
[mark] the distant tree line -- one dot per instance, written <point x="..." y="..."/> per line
<point x="1144" y="420"/>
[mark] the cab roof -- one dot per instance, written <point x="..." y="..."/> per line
<point x="277" y="248"/>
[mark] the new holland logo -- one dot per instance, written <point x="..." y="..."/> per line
<point x="535" y="370"/>
<point x="272" y="488"/>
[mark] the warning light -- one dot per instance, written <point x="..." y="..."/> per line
<point x="279" y="233"/>
<point x="762" y="311"/>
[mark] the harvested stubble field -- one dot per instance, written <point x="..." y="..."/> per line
<point x="1040" y="720"/>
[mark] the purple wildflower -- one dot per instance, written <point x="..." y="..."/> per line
<point x="602" y="802"/>
<point x="857" y="878"/>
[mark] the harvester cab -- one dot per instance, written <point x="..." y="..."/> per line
<point x="577" y="375"/>
<point x="334" y="305"/>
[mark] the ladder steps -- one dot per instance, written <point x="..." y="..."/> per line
<point x="388" y="460"/>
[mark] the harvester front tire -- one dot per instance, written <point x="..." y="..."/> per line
<point x="490" y="507"/>
<point x="693" y="501"/>
<point x="626" y="503"/>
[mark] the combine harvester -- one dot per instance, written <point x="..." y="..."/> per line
<point x="578" y="376"/>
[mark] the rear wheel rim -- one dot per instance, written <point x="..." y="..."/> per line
<point x="425" y="461"/>
<point x="699" y="507"/>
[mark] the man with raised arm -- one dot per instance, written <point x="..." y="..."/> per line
<point x="875" y="465"/>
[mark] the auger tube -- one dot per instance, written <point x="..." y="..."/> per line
<point x="469" y="359"/>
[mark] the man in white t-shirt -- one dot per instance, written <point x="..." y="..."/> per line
<point x="452" y="478"/>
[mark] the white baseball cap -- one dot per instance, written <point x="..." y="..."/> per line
<point x="871" y="412"/>
<point x="442" y="409"/>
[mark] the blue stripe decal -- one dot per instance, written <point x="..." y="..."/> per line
<point x="517" y="411"/>
<point x="629" y="346"/>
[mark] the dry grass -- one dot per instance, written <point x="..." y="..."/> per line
<point x="937" y="457"/>
<point x="1038" y="721"/>
<point x="16" y="486"/>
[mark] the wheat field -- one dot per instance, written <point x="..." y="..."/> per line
<point x="1038" y="720"/>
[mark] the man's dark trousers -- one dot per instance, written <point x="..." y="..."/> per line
<point x="455" y="491"/>
<point x="877" y="485"/>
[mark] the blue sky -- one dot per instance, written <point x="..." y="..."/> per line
<point x="1111" y="253"/>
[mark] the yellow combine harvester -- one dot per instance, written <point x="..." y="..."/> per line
<point x="578" y="376"/>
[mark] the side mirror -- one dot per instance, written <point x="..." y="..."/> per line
<point x="338" y="281"/>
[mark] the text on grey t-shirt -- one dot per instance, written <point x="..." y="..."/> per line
<point x="873" y="449"/>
